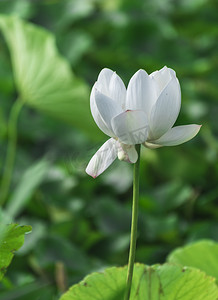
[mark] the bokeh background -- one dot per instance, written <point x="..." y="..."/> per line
<point x="80" y="224"/>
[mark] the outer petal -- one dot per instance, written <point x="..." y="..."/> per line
<point x="107" y="108"/>
<point x="166" y="109"/>
<point x="141" y="92"/>
<point x="131" y="127"/>
<point x="178" y="135"/>
<point x="103" y="80"/>
<point x="127" y="153"/>
<point x="103" y="158"/>
<point x="117" y="90"/>
<point x="96" y="115"/>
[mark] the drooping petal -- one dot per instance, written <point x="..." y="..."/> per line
<point x="127" y="153"/>
<point x="178" y="135"/>
<point x="103" y="158"/>
<point x="151" y="145"/>
<point x="141" y="92"/>
<point x="161" y="78"/>
<point x="107" y="108"/>
<point x="166" y="109"/>
<point x="96" y="115"/>
<point x="103" y="80"/>
<point x="131" y="127"/>
<point x="117" y="90"/>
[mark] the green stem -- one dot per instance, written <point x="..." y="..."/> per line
<point x="134" y="225"/>
<point x="11" y="150"/>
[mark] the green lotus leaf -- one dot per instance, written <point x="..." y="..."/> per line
<point x="202" y="255"/>
<point x="158" y="282"/>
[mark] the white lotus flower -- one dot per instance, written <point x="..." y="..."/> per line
<point x="142" y="114"/>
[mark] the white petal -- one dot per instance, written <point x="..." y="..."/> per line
<point x="161" y="78"/>
<point x="141" y="92"/>
<point x="107" y="108"/>
<point x="96" y="115"/>
<point x="178" y="135"/>
<point x="103" y="158"/>
<point x="127" y="153"/>
<point x="131" y="127"/>
<point x="103" y="80"/>
<point x="117" y="90"/>
<point x="166" y="109"/>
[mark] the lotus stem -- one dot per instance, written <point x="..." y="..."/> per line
<point x="133" y="225"/>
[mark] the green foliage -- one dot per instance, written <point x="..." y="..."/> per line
<point x="43" y="78"/>
<point x="11" y="239"/>
<point x="29" y="181"/>
<point x="166" y="282"/>
<point x="201" y="255"/>
<point x="22" y="8"/>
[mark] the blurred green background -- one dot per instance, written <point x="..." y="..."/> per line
<point x="80" y="224"/>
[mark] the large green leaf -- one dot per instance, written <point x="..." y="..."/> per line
<point x="11" y="239"/>
<point x="202" y="255"/>
<point x="43" y="78"/>
<point x="166" y="282"/>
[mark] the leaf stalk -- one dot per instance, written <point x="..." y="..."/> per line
<point x="11" y="151"/>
